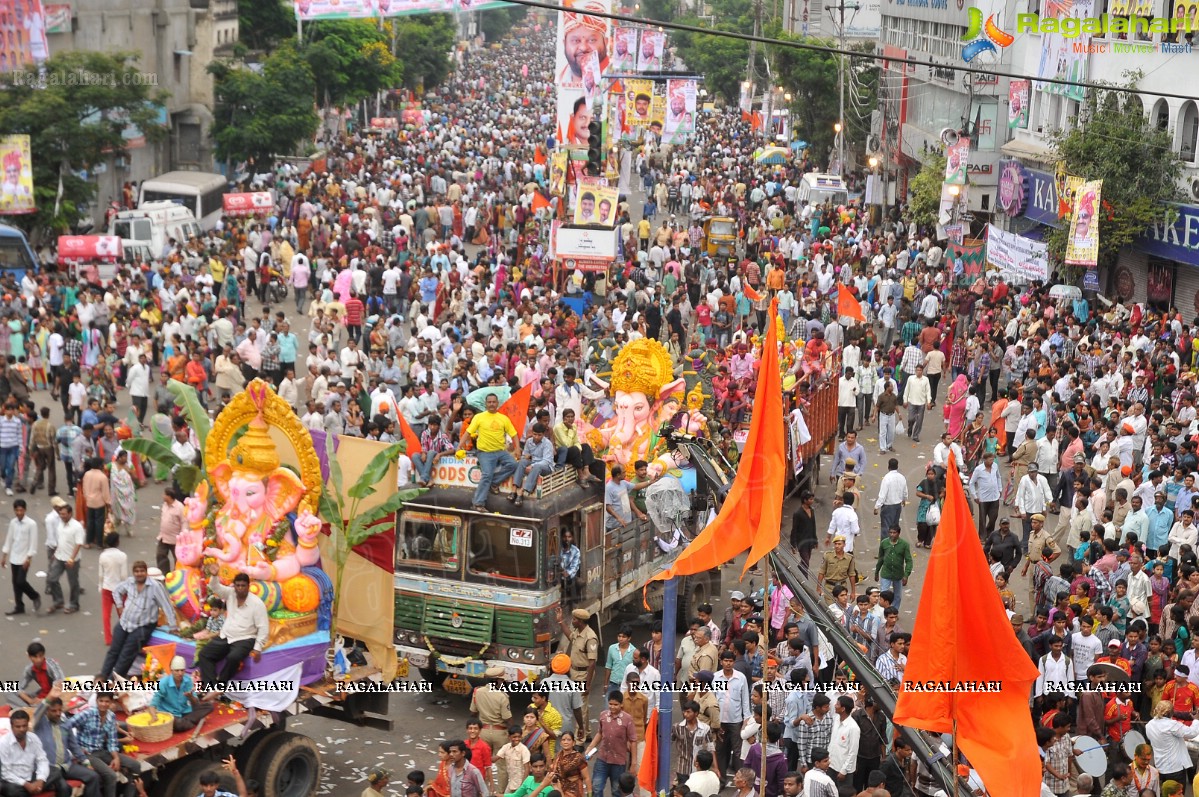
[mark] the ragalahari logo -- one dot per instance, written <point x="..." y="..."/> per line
<point x="983" y="38"/>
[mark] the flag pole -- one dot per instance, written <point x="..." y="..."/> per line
<point x="765" y="701"/>
<point x="670" y="600"/>
<point x="954" y="764"/>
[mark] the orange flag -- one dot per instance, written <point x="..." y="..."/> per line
<point x="517" y="407"/>
<point x="752" y="512"/>
<point x="752" y="294"/>
<point x="963" y="636"/>
<point x="647" y="775"/>
<point x="847" y="305"/>
<point x="539" y="201"/>
<point x="409" y="435"/>
<point x="538" y="155"/>
<point x="162" y="654"/>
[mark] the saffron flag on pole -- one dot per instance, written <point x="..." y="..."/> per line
<point x="408" y="434"/>
<point x="750" y="293"/>
<point x="517" y="407"/>
<point x="847" y="305"/>
<point x="963" y="636"/>
<point x="752" y="512"/>
<point x="647" y="774"/>
<point x="539" y="201"/>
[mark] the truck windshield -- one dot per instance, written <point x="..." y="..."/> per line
<point x="428" y="541"/>
<point x="837" y="197"/>
<point x="721" y="228"/>
<point x="499" y="550"/>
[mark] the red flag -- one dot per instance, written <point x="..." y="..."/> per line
<point x="962" y="636"/>
<point x="752" y="512"/>
<point x="848" y="306"/>
<point x="647" y="775"/>
<point x="517" y="407"/>
<point x="539" y="201"/>
<point x="410" y="437"/>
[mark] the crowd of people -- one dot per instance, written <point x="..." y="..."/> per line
<point x="419" y="262"/>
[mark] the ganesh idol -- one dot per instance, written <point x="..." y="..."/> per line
<point x="261" y="522"/>
<point x="645" y="395"/>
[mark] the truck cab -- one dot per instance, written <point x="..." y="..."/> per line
<point x="475" y="590"/>
<point x="152" y="225"/>
<point x="816" y="189"/>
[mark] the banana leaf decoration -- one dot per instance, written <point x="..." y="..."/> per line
<point x="157" y="448"/>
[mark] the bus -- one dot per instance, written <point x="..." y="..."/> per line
<point x="16" y="256"/>
<point x="201" y="192"/>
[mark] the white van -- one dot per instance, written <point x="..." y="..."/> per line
<point x="152" y="225"/>
<point x="199" y="192"/>
<point x="819" y="188"/>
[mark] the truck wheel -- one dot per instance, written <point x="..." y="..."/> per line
<point x="289" y="765"/>
<point x="249" y="753"/>
<point x="696" y="591"/>
<point x="186" y="778"/>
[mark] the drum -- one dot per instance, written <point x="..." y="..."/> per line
<point x="1132" y="740"/>
<point x="1092" y="758"/>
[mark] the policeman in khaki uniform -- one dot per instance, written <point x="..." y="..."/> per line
<point x="582" y="645"/>
<point x="493" y="708"/>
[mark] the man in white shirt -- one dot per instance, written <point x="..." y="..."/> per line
<point x="917" y="397"/>
<point x="138" y="382"/>
<point x="1084" y="645"/>
<point x="816" y="781"/>
<point x="844" y="521"/>
<point x="986" y="485"/>
<point x="243" y="635"/>
<point x="843" y="743"/>
<point x="66" y="560"/>
<point x="23" y="761"/>
<point x="1033" y="497"/>
<point x="941" y="452"/>
<point x="19" y="546"/>
<point x="892" y="497"/>
<point x="732" y="693"/>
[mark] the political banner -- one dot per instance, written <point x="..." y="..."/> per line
<point x="746" y="102"/>
<point x="639" y="102"/>
<point x="680" y="111"/>
<point x="596" y="203"/>
<point x="1065" y="58"/>
<point x="1017" y="258"/>
<point x="649" y="54"/>
<point x="16" y="190"/>
<point x="22" y="35"/>
<point x="957" y="157"/>
<point x="307" y="10"/>
<point x="1017" y="107"/>
<point x="579" y="38"/>
<point x="574" y="117"/>
<point x="1082" y="247"/>
<point x="557" y="181"/>
<point x="624" y="50"/>
<point x="58" y="17"/>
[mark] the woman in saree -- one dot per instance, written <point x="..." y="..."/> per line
<point x="441" y="783"/>
<point x="972" y="442"/>
<point x="569" y="768"/>
<point x="955" y="406"/>
<point x="124" y="494"/>
<point x="997" y="421"/>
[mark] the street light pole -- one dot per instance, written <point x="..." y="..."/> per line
<point x="841" y="8"/>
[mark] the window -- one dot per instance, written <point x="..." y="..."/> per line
<point x="428" y="541"/>
<point x="212" y="202"/>
<point x="499" y="550"/>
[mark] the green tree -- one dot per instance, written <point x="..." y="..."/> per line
<point x="811" y="78"/>
<point x="264" y="23"/>
<point x="719" y="59"/>
<point x="74" y="114"/>
<point x="1114" y="142"/>
<point x="496" y="22"/>
<point x="925" y="190"/>
<point x="424" y="43"/>
<point x="263" y="114"/>
<point x="350" y="60"/>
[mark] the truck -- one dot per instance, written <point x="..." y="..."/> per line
<point x="287" y="764"/>
<point x="147" y="229"/>
<point x="16" y="256"/>
<point x="816" y="189"/>
<point x="479" y="589"/>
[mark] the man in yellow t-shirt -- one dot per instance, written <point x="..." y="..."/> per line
<point x="491" y="432"/>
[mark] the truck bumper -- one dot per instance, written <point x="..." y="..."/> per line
<point x="473" y="669"/>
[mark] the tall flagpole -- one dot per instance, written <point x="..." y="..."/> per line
<point x="765" y="701"/>
<point x="954" y="764"/>
<point x="670" y="600"/>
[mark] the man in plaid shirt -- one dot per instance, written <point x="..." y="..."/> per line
<point x="815" y="729"/>
<point x="96" y="729"/>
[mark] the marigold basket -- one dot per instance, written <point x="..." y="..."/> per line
<point x="149" y="731"/>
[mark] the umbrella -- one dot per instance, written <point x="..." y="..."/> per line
<point x="773" y="156"/>
<point x="1065" y="292"/>
<point x="798" y="145"/>
<point x="478" y="398"/>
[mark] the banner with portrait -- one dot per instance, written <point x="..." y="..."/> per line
<point x="957" y="157"/>
<point x="1065" y="58"/>
<point x="638" y="103"/>
<point x="624" y="50"/>
<point x="16" y="190"/>
<point x="680" y="111"/>
<point x="22" y="35"/>
<point x="557" y="181"/>
<point x="1082" y="247"/>
<point x="649" y="53"/>
<point x="58" y="17"/>
<point x="308" y="10"/>
<point x="574" y="118"/>
<point x="597" y="202"/>
<point x="1016" y="257"/>
<point x="581" y="52"/>
<point x="1017" y="105"/>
